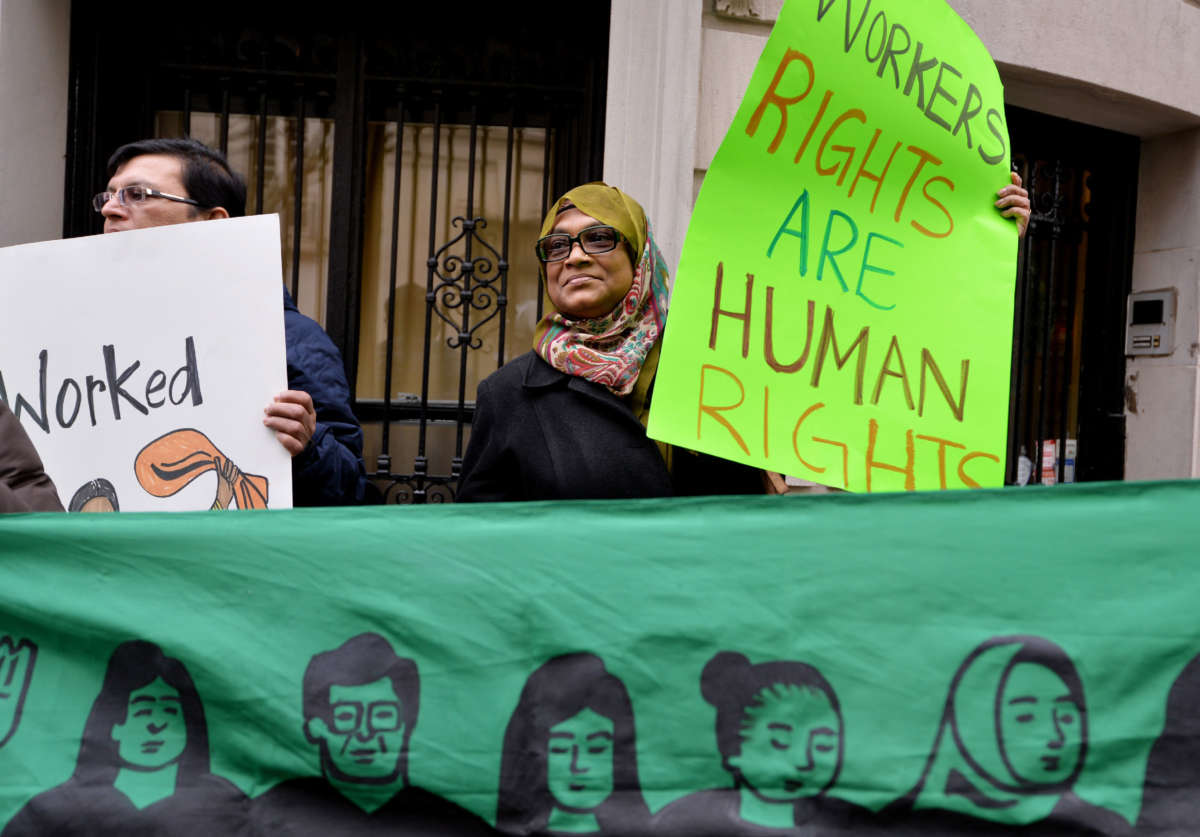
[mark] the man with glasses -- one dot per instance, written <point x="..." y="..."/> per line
<point x="360" y="707"/>
<point x="156" y="182"/>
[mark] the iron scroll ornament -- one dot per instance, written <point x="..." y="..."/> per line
<point x="436" y="489"/>
<point x="467" y="282"/>
<point x="459" y="282"/>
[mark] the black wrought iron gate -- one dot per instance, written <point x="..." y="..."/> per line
<point x="377" y="132"/>
<point x="1066" y="416"/>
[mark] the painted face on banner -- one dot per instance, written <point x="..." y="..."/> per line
<point x="364" y="739"/>
<point x="1041" y="726"/>
<point x="579" y="761"/>
<point x="153" y="734"/>
<point x="790" y="744"/>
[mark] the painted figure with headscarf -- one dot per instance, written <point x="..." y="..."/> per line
<point x="1011" y="744"/>
<point x="567" y="420"/>
<point x="781" y="737"/>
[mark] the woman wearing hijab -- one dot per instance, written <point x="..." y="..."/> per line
<point x="780" y="735"/>
<point x="1011" y="743"/>
<point x="567" y="420"/>
<point x="570" y="755"/>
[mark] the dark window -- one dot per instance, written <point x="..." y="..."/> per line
<point x="387" y="137"/>
<point x="1074" y="271"/>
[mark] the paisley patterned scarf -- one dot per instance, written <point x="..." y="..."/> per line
<point x="614" y="350"/>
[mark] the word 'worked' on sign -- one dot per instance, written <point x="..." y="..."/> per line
<point x="183" y="385"/>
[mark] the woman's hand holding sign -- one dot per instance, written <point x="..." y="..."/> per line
<point x="1014" y="203"/>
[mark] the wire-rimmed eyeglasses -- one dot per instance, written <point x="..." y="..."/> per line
<point x="135" y="194"/>
<point x="594" y="240"/>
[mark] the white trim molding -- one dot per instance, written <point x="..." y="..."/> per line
<point x="652" y="105"/>
<point x="34" y="52"/>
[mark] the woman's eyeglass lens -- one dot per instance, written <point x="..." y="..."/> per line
<point x="594" y="240"/>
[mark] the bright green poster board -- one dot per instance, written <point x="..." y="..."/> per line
<point x="842" y="310"/>
<point x="938" y="596"/>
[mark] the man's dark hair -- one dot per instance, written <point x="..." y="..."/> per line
<point x="206" y="174"/>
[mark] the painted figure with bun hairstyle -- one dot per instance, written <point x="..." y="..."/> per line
<point x="781" y="737"/>
<point x="570" y="757"/>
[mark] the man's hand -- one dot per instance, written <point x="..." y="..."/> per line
<point x="1014" y="203"/>
<point x="292" y="417"/>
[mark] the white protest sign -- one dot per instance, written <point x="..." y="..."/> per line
<point x="140" y="362"/>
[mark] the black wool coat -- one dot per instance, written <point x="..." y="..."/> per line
<point x="540" y="434"/>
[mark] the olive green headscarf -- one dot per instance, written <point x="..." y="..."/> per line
<point x="608" y="205"/>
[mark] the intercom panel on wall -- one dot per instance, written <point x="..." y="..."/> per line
<point x="1150" y="323"/>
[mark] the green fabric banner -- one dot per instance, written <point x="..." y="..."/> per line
<point x="842" y="311"/>
<point x="683" y="666"/>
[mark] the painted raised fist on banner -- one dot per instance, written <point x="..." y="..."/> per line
<point x="16" y="671"/>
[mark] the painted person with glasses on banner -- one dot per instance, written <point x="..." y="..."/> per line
<point x="567" y="420"/>
<point x="361" y="702"/>
<point x="156" y="182"/>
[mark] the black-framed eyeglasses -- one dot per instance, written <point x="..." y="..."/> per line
<point x="135" y="194"/>
<point x="594" y="240"/>
<point x="381" y="716"/>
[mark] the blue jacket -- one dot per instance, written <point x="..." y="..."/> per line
<point x="330" y="471"/>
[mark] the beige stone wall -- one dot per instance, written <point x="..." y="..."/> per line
<point x="1162" y="401"/>
<point x="33" y="118"/>
<point x="1129" y="66"/>
<point x="651" y="116"/>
